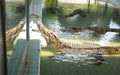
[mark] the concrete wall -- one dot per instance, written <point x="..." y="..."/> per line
<point x="76" y="1"/>
<point x="15" y="0"/>
<point x="113" y="2"/>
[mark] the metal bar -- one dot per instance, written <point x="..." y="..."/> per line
<point x="56" y="3"/>
<point x="41" y="1"/>
<point x="106" y="3"/>
<point x="3" y="52"/>
<point x="88" y="2"/>
<point x="88" y="6"/>
<point x="27" y="20"/>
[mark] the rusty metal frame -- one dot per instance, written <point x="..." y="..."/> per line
<point x="3" y="36"/>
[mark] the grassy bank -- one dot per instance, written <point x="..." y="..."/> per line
<point x="67" y="8"/>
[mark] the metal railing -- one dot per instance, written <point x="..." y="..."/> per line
<point x="3" y="56"/>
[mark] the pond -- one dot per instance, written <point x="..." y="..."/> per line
<point x="98" y="16"/>
<point x="71" y="62"/>
<point x="13" y="17"/>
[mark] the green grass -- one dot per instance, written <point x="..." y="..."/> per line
<point x="68" y="8"/>
<point x="54" y="67"/>
<point x="49" y="3"/>
<point x="9" y="50"/>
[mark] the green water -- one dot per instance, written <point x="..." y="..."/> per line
<point x="13" y="17"/>
<point x="98" y="16"/>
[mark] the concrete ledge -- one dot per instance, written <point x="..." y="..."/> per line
<point x="15" y="1"/>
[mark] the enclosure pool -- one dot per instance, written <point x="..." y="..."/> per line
<point x="102" y="17"/>
<point x="53" y="63"/>
<point x="99" y="16"/>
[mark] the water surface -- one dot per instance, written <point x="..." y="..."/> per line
<point x="13" y="17"/>
<point x="98" y="16"/>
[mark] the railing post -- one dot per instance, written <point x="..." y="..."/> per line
<point x="88" y="6"/>
<point x="106" y="3"/>
<point x="27" y="20"/>
<point x="3" y="53"/>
